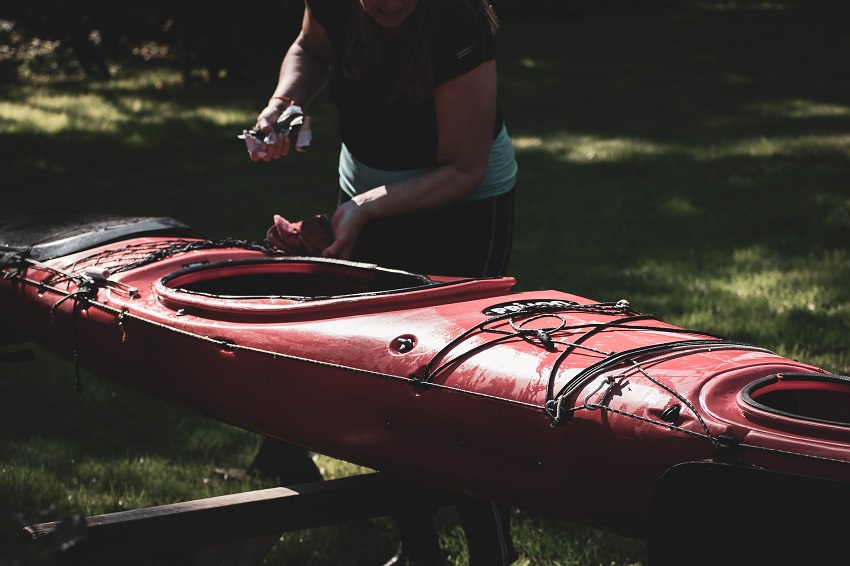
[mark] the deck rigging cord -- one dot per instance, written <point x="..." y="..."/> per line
<point x="518" y="321"/>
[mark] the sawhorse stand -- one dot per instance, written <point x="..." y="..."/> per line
<point x="234" y="529"/>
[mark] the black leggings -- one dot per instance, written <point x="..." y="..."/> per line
<point x="467" y="239"/>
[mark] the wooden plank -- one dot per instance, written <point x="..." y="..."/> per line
<point x="236" y="529"/>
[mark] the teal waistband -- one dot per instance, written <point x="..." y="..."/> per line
<point x="356" y="178"/>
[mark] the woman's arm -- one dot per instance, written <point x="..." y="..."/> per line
<point x="466" y="109"/>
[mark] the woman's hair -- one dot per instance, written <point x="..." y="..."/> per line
<point x="416" y="70"/>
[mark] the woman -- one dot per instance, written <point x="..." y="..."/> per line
<point x="427" y="169"/>
<point x="415" y="85"/>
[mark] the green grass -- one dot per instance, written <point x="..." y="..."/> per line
<point x="691" y="157"/>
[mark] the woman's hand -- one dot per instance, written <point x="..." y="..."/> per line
<point x="347" y="222"/>
<point x="275" y="145"/>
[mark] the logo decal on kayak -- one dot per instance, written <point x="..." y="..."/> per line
<point x="529" y="305"/>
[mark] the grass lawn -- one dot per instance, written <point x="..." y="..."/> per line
<point x="691" y="157"/>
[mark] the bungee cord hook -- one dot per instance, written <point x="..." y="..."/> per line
<point x="605" y="386"/>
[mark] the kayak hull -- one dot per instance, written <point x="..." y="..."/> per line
<point x="543" y="400"/>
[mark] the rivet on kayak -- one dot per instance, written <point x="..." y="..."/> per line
<point x="404" y="344"/>
<point x="671" y="413"/>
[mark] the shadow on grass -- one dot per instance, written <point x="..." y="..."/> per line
<point x="72" y="442"/>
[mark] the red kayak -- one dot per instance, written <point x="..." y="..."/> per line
<point x="543" y="400"/>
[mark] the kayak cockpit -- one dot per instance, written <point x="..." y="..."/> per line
<point x="810" y="397"/>
<point x="298" y="279"/>
<point x="790" y="400"/>
<point x="292" y="286"/>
